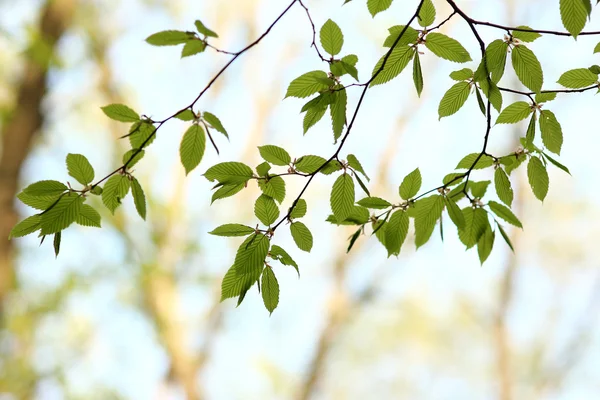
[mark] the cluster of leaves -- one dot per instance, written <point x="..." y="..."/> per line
<point x="478" y="220"/>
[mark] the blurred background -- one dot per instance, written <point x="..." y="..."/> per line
<point x="131" y="311"/>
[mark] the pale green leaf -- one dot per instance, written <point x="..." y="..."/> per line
<point x="467" y="162"/>
<point x="544" y="96"/>
<point x="514" y="113"/>
<point x="279" y="254"/>
<point x="377" y="6"/>
<point x="446" y="47"/>
<point x="80" y="168"/>
<point x="552" y="135"/>
<point x="193" y="47"/>
<point x="214" y="122"/>
<point x="88" y="216"/>
<point x="454" y="99"/>
<point x="27" y="226"/>
<point x="269" y="289"/>
<point x="462" y="74"/>
<point x="302" y="236"/>
<point x="578" y="78"/>
<point x="62" y="214"/>
<point x="538" y="178"/>
<point x="411" y="184"/>
<point x="503" y="187"/>
<point x="524" y="36"/>
<point x="409" y="36"/>
<point x="45" y="189"/>
<point x="356" y="165"/>
<point x="395" y="64"/>
<point x="374" y="202"/>
<point x="299" y="210"/>
<point x="485" y="244"/>
<point x="115" y="189"/>
<point x="229" y="172"/>
<point x="417" y="74"/>
<point x="428" y="212"/>
<point x="337" y="111"/>
<point x="227" y="191"/>
<point x="169" y="38"/>
<point x="478" y="189"/>
<point x="139" y="198"/>
<point x="395" y="232"/>
<point x="235" y="284"/>
<point x="141" y="135"/>
<point x="311" y="117"/>
<point x="273" y="187"/>
<point x="191" y="149"/>
<point x="574" y="14"/>
<point x="505" y="213"/>
<point x="232" y="230"/>
<point x="528" y="68"/>
<point x="331" y="37"/>
<point x="426" y="14"/>
<point x="202" y="29"/>
<point x="274" y="155"/>
<point x="266" y="209"/>
<point x="120" y="112"/>
<point x="454" y="212"/>
<point x="307" y="84"/>
<point x="251" y="254"/>
<point x="475" y="224"/>
<point x="342" y="197"/>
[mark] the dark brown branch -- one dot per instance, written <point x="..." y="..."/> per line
<point x="314" y="32"/>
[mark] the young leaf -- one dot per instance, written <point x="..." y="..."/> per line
<point x="485" y="244"/>
<point x="544" y="96"/>
<point x="358" y="216"/>
<point x="263" y="169"/>
<point x="505" y="213"/>
<point x="88" y="216"/>
<point x="192" y="47"/>
<point x="455" y="213"/>
<point x="232" y="230"/>
<point x="270" y="289"/>
<point x="279" y="254"/>
<point x="462" y="74"/>
<point x="552" y="135"/>
<point x="62" y="214"/>
<point x="229" y="172"/>
<point x="302" y="236"/>
<point x="275" y="155"/>
<point x="307" y="84"/>
<point x="27" y="226"/>
<point x="505" y="237"/>
<point x="204" y="30"/>
<point x="139" y="198"/>
<point x="56" y="243"/>
<point x="309" y="164"/>
<point x="514" y="113"/>
<point x="528" y="68"/>
<point x="597" y="48"/>
<point x="475" y="224"/>
<point x="453" y="178"/>
<point x="409" y="36"/>
<point x="337" y="111"/>
<point x="251" y="254"/>
<point x="467" y="162"/>
<point x="120" y="112"/>
<point x="495" y="56"/>
<point x="227" y="191"/>
<point x="215" y="123"/>
<point x="235" y="284"/>
<point x="538" y="178"/>
<point x="395" y="232"/>
<point x="480" y="102"/>
<point x="446" y="48"/>
<point x="454" y="99"/>
<point x="573" y="14"/>
<point x="578" y="78"/>
<point x="353" y="239"/>
<point x="192" y="147"/>
<point x="45" y="189"/>
<point x="428" y="211"/>
<point x="132" y="156"/>
<point x="524" y="36"/>
<point x="503" y="187"/>
<point x="377" y="6"/>
<point x="311" y="117"/>
<point x="80" y="168"/>
<point x="557" y="164"/>
<point x="356" y="165"/>
<point x="374" y="203"/>
<point x="478" y="189"/>
<point x="186" y="115"/>
<point x="115" y="188"/>
<point x="411" y="184"/>
<point x="417" y="74"/>
<point x="299" y="210"/>
<point x="426" y="14"/>
<point x="266" y="209"/>
<point x="342" y="197"/>
<point x="395" y="64"/>
<point x="530" y="135"/>
<point x="491" y="91"/>
<point x="141" y="134"/>
<point x="332" y="38"/>
<point x="38" y="202"/>
<point x="273" y="187"/>
<point x="169" y="38"/>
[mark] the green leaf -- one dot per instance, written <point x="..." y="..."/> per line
<point x="251" y="254"/>
<point x="428" y="211"/>
<point x="88" y="216"/>
<point x="120" y="112"/>
<point x="191" y="149"/>
<point x="505" y="213"/>
<point x="455" y="213"/>
<point x="269" y="289"/>
<point x="595" y="69"/>
<point x="467" y="162"/>
<point x="80" y="168"/>
<point x="27" y="226"/>
<point x="525" y="36"/>
<point x="358" y="216"/>
<point x="307" y="84"/>
<point x="374" y="202"/>
<point x="597" y="48"/>
<point x="478" y="189"/>
<point x="505" y="237"/>
<point x="462" y="74"/>
<point x="395" y="64"/>
<point x="538" y="178"/>
<point x="115" y="188"/>
<point x="411" y="184"/>
<point x="302" y="236"/>
<point x="544" y="96"/>
<point x="332" y="38"/>
<point x="235" y="284"/>
<point x="475" y="224"/>
<point x="337" y="110"/>
<point x="232" y="230"/>
<point x="275" y="155"/>
<point x="518" y="160"/>
<point x="353" y="239"/>
<point x="45" y="189"/>
<point x="528" y="68"/>
<point x="395" y="232"/>
<point x="552" y="135"/>
<point x="557" y="164"/>
<point x="530" y="135"/>
<point x="279" y="254"/>
<point x="573" y="14"/>
<point x="453" y="178"/>
<point x="491" y="91"/>
<point x="186" y="115"/>
<point x="342" y="197"/>
<point x="227" y="191"/>
<point x="495" y="56"/>
<point x="377" y="6"/>
<point x="141" y="134"/>
<point x="417" y="74"/>
<point x="139" y="198"/>
<point x="62" y="214"/>
<point x="311" y="117"/>
<point x="229" y="172"/>
<point x="485" y="244"/>
<point x="578" y="78"/>
<point x="309" y="164"/>
<point x="56" y="243"/>
<point x="204" y="30"/>
<point x="169" y="38"/>
<point x="480" y="102"/>
<point x="97" y="190"/>
<point x="331" y="167"/>
<point x="299" y="210"/>
<point x="266" y="209"/>
<point x="127" y="157"/>
<point x="409" y="36"/>
<point x="454" y="99"/>
<point x="356" y="165"/>
<point x="503" y="187"/>
<point x="426" y="14"/>
<point x="38" y="202"/>
<point x="447" y="48"/>
<point x="514" y="113"/>
<point x="193" y="47"/>
<point x="349" y="64"/>
<point x="215" y="123"/>
<point x="263" y="168"/>
<point x="273" y="187"/>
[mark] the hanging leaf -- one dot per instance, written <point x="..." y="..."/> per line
<point x="377" y="6"/>
<point x="573" y="14"/>
<point x="454" y="212"/>
<point x="27" y="226"/>
<point x="395" y="232"/>
<point x="528" y="68"/>
<point x="552" y="135"/>
<point x="301" y="235"/>
<point x="447" y="48"/>
<point x="503" y="187"/>
<point x="454" y="99"/>
<point x="356" y="165"/>
<point x="342" y="197"/>
<point x="279" y="254"/>
<point x="417" y="74"/>
<point x="192" y="147"/>
<point x="428" y="211"/>
<point x="215" y="123"/>
<point x="227" y="191"/>
<point x="273" y="187"/>
<point x="299" y="210"/>
<point x="514" y="113"/>
<point x="235" y="284"/>
<point x="395" y="64"/>
<point x="475" y="225"/>
<point x="337" y="111"/>
<point x="115" y="189"/>
<point x="485" y="244"/>
<point x="88" y="216"/>
<point x="229" y="172"/>
<point x="538" y="178"/>
<point x="62" y="214"/>
<point x="374" y="203"/>
<point x="203" y="30"/>
<point x="269" y="289"/>
<point x="525" y="36"/>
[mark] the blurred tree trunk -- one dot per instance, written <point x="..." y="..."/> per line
<point x="23" y="124"/>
